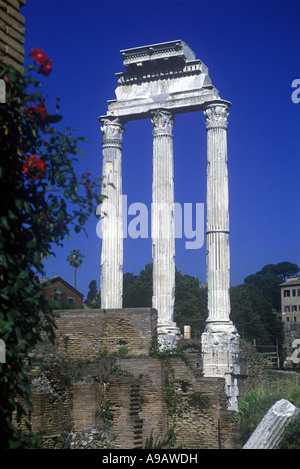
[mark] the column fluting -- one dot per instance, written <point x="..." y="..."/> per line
<point x="163" y="225"/>
<point x="217" y="234"/>
<point x="111" y="283"/>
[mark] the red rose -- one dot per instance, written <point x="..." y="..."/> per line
<point x="45" y="68"/>
<point x="41" y="110"/>
<point x="34" y="167"/>
<point x="43" y="60"/>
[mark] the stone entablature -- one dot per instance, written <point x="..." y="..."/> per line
<point x="161" y="75"/>
<point x="165" y="54"/>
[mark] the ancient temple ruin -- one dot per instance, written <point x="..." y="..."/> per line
<point x="160" y="81"/>
<point x="106" y="382"/>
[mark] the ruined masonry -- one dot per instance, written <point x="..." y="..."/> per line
<point x="160" y="81"/>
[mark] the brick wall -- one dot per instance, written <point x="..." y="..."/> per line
<point x="84" y="405"/>
<point x="86" y="333"/>
<point x="12" y="33"/>
<point x="204" y="422"/>
<point x="96" y="387"/>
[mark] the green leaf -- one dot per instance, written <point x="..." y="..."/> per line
<point x="27" y="208"/>
<point x="19" y="204"/>
<point x="4" y="223"/>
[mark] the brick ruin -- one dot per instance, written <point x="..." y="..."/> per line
<point x="106" y="385"/>
<point x="12" y="32"/>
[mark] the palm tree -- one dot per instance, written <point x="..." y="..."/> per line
<point x="75" y="259"/>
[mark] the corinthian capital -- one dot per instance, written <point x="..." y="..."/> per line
<point x="112" y="131"/>
<point x="163" y="122"/>
<point x="216" y="116"/>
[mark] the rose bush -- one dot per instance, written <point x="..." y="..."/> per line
<point x="36" y="112"/>
<point x="44" y="196"/>
<point x="34" y="167"/>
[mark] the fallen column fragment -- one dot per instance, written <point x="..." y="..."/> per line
<point x="268" y="433"/>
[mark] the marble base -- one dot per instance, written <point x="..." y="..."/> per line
<point x="168" y="336"/>
<point x="220" y="350"/>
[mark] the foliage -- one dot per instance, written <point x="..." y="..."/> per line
<point x="172" y="398"/>
<point x="282" y="270"/>
<point x="190" y="297"/>
<point x="92" y="293"/>
<point x="291" y="437"/>
<point x="198" y="400"/>
<point x="256" y="403"/>
<point x="41" y="202"/>
<point x="137" y="289"/>
<point x="157" y="443"/>
<point x="269" y="279"/>
<point x="96" y="303"/>
<point x="251" y="302"/>
<point x="253" y="315"/>
<point x="190" y="302"/>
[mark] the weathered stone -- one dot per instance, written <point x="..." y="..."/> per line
<point x="161" y="75"/>
<point x="220" y="348"/>
<point x="268" y="433"/>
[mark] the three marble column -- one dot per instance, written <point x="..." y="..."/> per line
<point x="163" y="233"/>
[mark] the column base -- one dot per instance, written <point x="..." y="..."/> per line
<point x="220" y="350"/>
<point x="168" y="335"/>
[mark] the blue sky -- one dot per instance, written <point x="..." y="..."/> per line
<point x="252" y="51"/>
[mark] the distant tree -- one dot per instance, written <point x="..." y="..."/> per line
<point x="269" y="279"/>
<point x="137" y="289"/>
<point x="282" y="269"/>
<point x="268" y="284"/>
<point x="190" y="298"/>
<point x="91" y="293"/>
<point x="96" y="302"/>
<point x="253" y="315"/>
<point x="254" y="304"/>
<point x="75" y="259"/>
<point x="190" y="302"/>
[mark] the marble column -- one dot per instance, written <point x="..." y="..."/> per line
<point x="111" y="283"/>
<point x="163" y="227"/>
<point x="220" y="341"/>
<point x="217" y="234"/>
